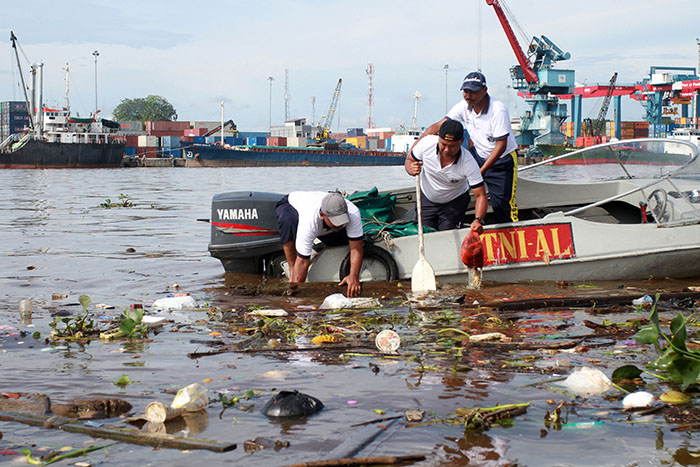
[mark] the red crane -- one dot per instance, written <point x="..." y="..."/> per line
<point x="529" y="73"/>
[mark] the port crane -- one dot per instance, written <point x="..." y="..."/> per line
<point x="539" y="83"/>
<point x="324" y="131"/>
<point x="597" y="127"/>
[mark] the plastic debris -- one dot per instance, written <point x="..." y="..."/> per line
<point x="582" y="424"/>
<point x="104" y="306"/>
<point x="58" y="296"/>
<point x="175" y="302"/>
<point x="637" y="399"/>
<point x="291" y="404"/>
<point x="675" y="397"/>
<point x="387" y="341"/>
<point x="489" y="336"/>
<point x="271" y="312"/>
<point x="191" y="398"/>
<point x="646" y="300"/>
<point x="587" y="380"/>
<point x="335" y="302"/>
<point x="153" y="321"/>
<point x="25" y="306"/>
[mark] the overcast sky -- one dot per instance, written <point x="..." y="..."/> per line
<point x="197" y="54"/>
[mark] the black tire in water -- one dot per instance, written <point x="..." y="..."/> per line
<point x="377" y="263"/>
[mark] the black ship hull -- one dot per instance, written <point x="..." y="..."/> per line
<point x="43" y="155"/>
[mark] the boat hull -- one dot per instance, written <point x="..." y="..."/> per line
<point x="212" y="156"/>
<point x="44" y="155"/>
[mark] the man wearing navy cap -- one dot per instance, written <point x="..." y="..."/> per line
<point x="447" y="171"/>
<point x="488" y="123"/>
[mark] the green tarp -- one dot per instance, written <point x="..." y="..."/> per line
<point x="377" y="215"/>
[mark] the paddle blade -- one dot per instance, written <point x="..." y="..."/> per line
<point x="423" y="277"/>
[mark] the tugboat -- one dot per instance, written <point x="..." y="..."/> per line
<point x="55" y="139"/>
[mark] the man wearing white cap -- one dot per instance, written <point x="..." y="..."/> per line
<point x="304" y="216"/>
<point x="488" y="123"/>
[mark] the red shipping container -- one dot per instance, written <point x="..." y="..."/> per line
<point x="277" y="141"/>
<point x="165" y="133"/>
<point x="579" y="141"/>
<point x="132" y="140"/>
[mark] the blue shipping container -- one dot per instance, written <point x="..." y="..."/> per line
<point x="170" y="141"/>
<point x="198" y="140"/>
<point x="130" y="151"/>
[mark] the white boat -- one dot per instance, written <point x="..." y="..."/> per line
<point x="617" y="211"/>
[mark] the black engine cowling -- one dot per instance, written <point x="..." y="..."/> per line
<point x="244" y="231"/>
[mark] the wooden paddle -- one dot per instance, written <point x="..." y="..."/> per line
<point x="423" y="277"/>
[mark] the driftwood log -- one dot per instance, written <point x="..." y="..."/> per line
<point x="118" y="433"/>
<point x="83" y="409"/>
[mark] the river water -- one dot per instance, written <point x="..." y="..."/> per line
<point x="56" y="239"/>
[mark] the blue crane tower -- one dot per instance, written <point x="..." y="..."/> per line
<point x="540" y="84"/>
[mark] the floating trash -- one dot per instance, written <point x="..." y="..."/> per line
<point x="646" y="300"/>
<point x="177" y="302"/>
<point x="587" y="380"/>
<point x="637" y="400"/>
<point x="291" y="404"/>
<point x="387" y="341"/>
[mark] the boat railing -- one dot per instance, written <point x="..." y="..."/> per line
<point x="7" y="141"/>
<point x="662" y="212"/>
<point x="615" y="147"/>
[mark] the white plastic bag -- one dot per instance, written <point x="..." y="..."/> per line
<point x="178" y="302"/>
<point x="335" y="302"/>
<point x="587" y="380"/>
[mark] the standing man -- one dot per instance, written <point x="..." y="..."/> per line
<point x="447" y="171"/>
<point x="305" y="215"/>
<point x="488" y="123"/>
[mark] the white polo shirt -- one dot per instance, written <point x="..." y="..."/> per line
<point x="443" y="184"/>
<point x="491" y="125"/>
<point x="308" y="205"/>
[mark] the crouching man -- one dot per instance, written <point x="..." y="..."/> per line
<point x="303" y="216"/>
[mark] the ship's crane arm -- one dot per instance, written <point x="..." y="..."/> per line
<point x="606" y="101"/>
<point x="530" y="75"/>
<point x="325" y="129"/>
<point x="227" y="124"/>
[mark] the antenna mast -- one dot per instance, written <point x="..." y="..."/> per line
<point x="67" y="88"/>
<point x="370" y="96"/>
<point x="416" y="95"/>
<point x="286" y="95"/>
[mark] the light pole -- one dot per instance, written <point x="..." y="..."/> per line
<point x="95" y="54"/>
<point x="446" y="67"/>
<point x="270" y="79"/>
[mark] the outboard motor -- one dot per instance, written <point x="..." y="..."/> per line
<point x="244" y="230"/>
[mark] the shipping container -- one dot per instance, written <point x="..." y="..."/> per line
<point x="353" y="132"/>
<point x="195" y="132"/>
<point x="147" y="141"/>
<point x="276" y="141"/>
<point x="130" y="150"/>
<point x="170" y="141"/>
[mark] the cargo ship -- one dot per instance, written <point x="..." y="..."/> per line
<point x="38" y="137"/>
<point x="207" y="155"/>
<point x="63" y="142"/>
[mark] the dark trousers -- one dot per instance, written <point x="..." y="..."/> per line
<point x="444" y="216"/>
<point x="501" y="180"/>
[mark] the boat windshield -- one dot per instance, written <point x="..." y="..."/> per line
<point x="625" y="159"/>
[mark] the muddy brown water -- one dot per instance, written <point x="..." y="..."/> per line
<point x="56" y="240"/>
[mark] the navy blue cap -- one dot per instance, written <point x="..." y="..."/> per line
<point x="474" y="81"/>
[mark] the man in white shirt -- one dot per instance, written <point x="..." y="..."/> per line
<point x="305" y="215"/>
<point x="447" y="171"/>
<point x="488" y="123"/>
